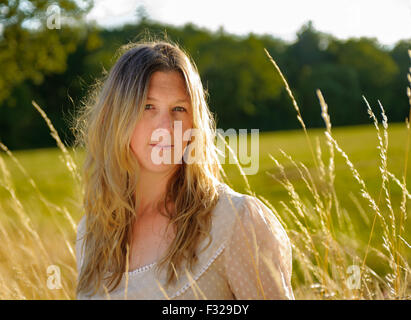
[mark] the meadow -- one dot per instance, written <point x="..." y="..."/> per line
<point x="26" y="254"/>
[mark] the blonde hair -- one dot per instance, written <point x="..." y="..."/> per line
<point x="104" y="126"/>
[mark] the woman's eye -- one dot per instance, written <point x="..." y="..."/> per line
<point x="180" y="109"/>
<point x="148" y="106"/>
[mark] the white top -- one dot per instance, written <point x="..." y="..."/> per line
<point x="249" y="258"/>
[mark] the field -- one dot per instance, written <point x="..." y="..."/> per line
<point x="40" y="202"/>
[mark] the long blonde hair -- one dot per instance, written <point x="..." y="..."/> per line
<point x="104" y="126"/>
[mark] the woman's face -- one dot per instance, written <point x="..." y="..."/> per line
<point x="157" y="136"/>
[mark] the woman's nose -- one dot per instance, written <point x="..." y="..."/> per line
<point x="166" y="122"/>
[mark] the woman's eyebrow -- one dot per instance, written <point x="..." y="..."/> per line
<point x="178" y="101"/>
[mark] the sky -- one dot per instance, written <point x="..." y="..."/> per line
<point x="386" y="20"/>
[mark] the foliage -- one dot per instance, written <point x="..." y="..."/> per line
<point x="244" y="92"/>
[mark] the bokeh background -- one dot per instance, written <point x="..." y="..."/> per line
<point x="55" y="67"/>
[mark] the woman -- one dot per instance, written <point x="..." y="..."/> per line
<point x="160" y="229"/>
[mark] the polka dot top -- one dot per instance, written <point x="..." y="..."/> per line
<point x="249" y="258"/>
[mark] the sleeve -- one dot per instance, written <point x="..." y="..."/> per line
<point x="258" y="257"/>
<point x="79" y="242"/>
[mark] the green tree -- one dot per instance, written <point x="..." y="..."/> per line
<point x="309" y="49"/>
<point x="33" y="43"/>
<point x="400" y="102"/>
<point x="242" y="83"/>
<point x="375" y="67"/>
<point x="341" y="89"/>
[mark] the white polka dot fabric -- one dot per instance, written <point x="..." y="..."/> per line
<point x="249" y="258"/>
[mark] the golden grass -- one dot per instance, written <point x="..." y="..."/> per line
<point x="322" y="232"/>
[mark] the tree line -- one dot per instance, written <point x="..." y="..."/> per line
<point x="57" y="67"/>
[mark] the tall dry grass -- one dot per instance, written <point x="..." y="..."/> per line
<point x="323" y="256"/>
<point x="328" y="259"/>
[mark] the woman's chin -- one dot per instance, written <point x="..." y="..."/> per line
<point x="160" y="168"/>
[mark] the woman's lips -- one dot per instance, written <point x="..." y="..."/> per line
<point x="161" y="145"/>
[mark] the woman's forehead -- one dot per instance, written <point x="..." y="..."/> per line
<point x="168" y="85"/>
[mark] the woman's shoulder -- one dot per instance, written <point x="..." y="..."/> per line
<point x="236" y="208"/>
<point x="81" y="227"/>
<point x="233" y="206"/>
<point x="227" y="195"/>
<point x="233" y="201"/>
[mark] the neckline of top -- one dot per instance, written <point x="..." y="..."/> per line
<point x="146" y="267"/>
<point x="142" y="268"/>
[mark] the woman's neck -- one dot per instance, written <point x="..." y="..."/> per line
<point x="151" y="188"/>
